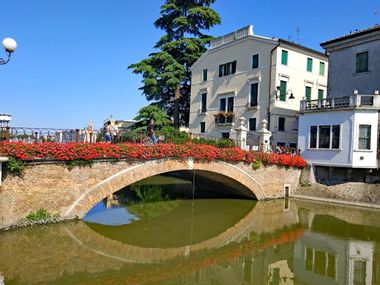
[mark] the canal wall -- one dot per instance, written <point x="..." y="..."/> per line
<point x="72" y="193"/>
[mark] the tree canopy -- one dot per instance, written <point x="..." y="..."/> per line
<point x="166" y="73"/>
<point x="149" y="112"/>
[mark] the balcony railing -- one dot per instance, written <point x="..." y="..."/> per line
<point x="223" y="118"/>
<point x="347" y="102"/>
<point x="246" y="31"/>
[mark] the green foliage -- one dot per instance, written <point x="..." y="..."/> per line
<point x="161" y="119"/>
<point x="79" y="163"/>
<point x="172" y="135"/>
<point x="149" y="193"/>
<point x="220" y="143"/>
<point x="257" y="164"/>
<point x="14" y="166"/>
<point x="168" y="69"/>
<point x="41" y="216"/>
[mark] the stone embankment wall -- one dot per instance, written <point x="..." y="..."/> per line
<point x="72" y="193"/>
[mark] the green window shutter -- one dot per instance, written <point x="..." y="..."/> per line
<point x="283" y="88"/>
<point x="308" y="93"/>
<point x="309" y="66"/>
<point x="284" y="57"/>
<point x="322" y="68"/>
<point x="362" y="62"/>
<point x="320" y="94"/>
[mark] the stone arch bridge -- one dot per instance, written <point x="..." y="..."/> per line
<point x="72" y="193"/>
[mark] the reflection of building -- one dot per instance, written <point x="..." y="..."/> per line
<point x="244" y="74"/>
<point x="321" y="259"/>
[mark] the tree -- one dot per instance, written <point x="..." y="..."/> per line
<point x="149" y="112"/>
<point x="166" y="73"/>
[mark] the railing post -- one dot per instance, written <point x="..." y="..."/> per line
<point x="77" y="135"/>
<point x="36" y="137"/>
<point x="141" y="138"/>
<point x="7" y="134"/>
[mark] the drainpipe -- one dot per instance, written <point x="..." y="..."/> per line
<point x="270" y="82"/>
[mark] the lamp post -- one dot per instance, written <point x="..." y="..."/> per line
<point x="10" y="46"/>
<point x="278" y="89"/>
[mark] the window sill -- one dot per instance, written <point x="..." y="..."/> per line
<point x="324" y="149"/>
<point x="203" y="113"/>
<point x="225" y="124"/>
<point x="361" y="73"/>
<point x="253" y="107"/>
<point x="363" y="150"/>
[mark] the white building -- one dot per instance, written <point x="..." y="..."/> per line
<point x="250" y="76"/>
<point x="342" y="130"/>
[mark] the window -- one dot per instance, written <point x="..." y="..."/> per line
<point x="204" y="74"/>
<point x="227" y="68"/>
<point x="203" y="127"/>
<point x="254" y="91"/>
<point x="364" y="136"/>
<point x="283" y="88"/>
<point x="227" y="108"/>
<point x="362" y="62"/>
<point x="313" y="136"/>
<point x="327" y="137"/>
<point x="324" y="137"/>
<point x="284" y="57"/>
<point x="230" y="104"/>
<point x="320" y="262"/>
<point x="309" y="65"/>
<point x="226" y="135"/>
<point x="281" y="124"/>
<point x="320" y="94"/>
<point x="359" y="274"/>
<point x="204" y="103"/>
<point x="255" y="61"/>
<point x="222" y="106"/>
<point x="321" y="68"/>
<point x="252" y="124"/>
<point x="308" y="93"/>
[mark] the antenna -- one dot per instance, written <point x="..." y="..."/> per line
<point x="376" y="13"/>
<point x="298" y="31"/>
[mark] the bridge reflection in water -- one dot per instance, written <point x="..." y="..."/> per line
<point x="273" y="242"/>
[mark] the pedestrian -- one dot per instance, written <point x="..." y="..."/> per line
<point x="151" y="132"/>
<point x="108" y="132"/>
<point x="115" y="132"/>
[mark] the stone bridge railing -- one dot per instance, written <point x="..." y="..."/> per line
<point x="72" y="193"/>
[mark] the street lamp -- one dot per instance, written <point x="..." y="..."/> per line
<point x="291" y="96"/>
<point x="10" y="46"/>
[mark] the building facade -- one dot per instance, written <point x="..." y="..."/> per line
<point x="250" y="76"/>
<point x="342" y="130"/>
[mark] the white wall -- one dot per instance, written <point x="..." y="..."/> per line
<point x="348" y="155"/>
<point x="238" y="84"/>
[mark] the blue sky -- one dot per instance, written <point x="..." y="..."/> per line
<point x="72" y="57"/>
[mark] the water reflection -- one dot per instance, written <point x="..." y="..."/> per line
<point x="303" y="243"/>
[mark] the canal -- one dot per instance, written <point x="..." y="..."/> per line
<point x="168" y="230"/>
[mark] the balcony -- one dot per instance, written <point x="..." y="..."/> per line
<point x="336" y="103"/>
<point x="224" y="118"/>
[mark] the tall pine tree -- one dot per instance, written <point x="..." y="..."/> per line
<point x="166" y="73"/>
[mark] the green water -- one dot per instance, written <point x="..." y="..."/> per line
<point x="210" y="241"/>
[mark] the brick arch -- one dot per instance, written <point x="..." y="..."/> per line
<point x="141" y="170"/>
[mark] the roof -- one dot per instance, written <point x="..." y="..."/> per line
<point x="302" y="47"/>
<point x="353" y="35"/>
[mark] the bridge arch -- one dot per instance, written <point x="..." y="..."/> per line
<point x="136" y="172"/>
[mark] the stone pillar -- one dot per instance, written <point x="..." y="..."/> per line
<point x="241" y="134"/>
<point x="264" y="137"/>
<point x="2" y="159"/>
